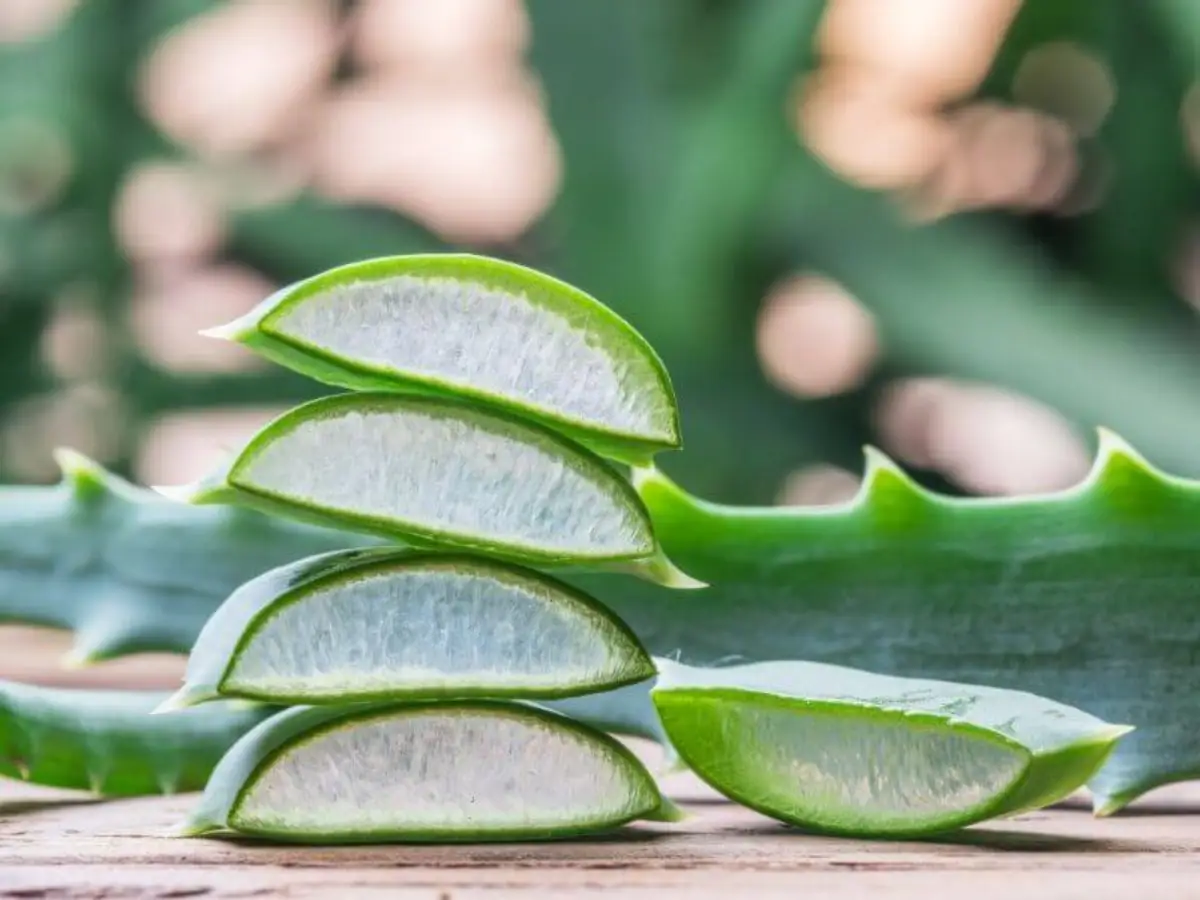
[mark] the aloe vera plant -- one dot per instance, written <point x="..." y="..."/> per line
<point x="105" y="741"/>
<point x="842" y="751"/>
<point x="471" y="326"/>
<point x="358" y="625"/>
<point x="434" y="771"/>
<point x="431" y="471"/>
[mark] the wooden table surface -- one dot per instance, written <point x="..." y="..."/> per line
<point x="56" y="844"/>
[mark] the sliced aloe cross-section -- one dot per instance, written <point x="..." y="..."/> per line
<point x="843" y="751"/>
<point x="472" y="326"/>
<point x="436" y="771"/>
<point x="431" y="471"/>
<point x="360" y="625"/>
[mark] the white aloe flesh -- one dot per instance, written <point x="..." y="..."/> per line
<point x="359" y="625"/>
<point x="842" y="751"/>
<point x="466" y="325"/>
<point x="430" y="471"/>
<point x="441" y="771"/>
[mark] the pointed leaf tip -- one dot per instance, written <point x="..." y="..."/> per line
<point x="230" y="331"/>
<point x="1112" y="444"/>
<point x="86" y="477"/>
<point x="1115" y="732"/>
<point x="668" y="811"/>
<point x="181" y="699"/>
<point x="876" y="462"/>
<point x="180" y="492"/>
<point x="190" y="828"/>
<point x="1117" y="459"/>
<point x="659" y="569"/>
<point x="884" y="482"/>
<point x="78" y="658"/>
<point x="200" y="493"/>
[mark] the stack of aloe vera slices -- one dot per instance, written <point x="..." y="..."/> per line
<point x="483" y="397"/>
<point x="442" y="684"/>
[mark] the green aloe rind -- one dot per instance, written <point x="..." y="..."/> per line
<point x="841" y="751"/>
<point x="360" y="625"/>
<point x="427" y="771"/>
<point x="460" y="325"/>
<point x="1085" y="595"/>
<point x="105" y="741"/>
<point x="428" y="471"/>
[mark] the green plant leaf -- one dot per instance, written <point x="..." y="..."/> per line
<point x="127" y="570"/>
<point x="482" y="328"/>
<point x="363" y="625"/>
<point x="842" y="751"/>
<point x="431" y="471"/>
<point x="1086" y="596"/>
<point x="106" y="741"/>
<point x="443" y="771"/>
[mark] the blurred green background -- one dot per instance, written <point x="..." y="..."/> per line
<point x="963" y="231"/>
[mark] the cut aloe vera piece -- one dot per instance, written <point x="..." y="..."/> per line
<point x="363" y="625"/>
<point x="841" y="751"/>
<point x="471" y="326"/>
<point x="443" y="771"/>
<point x="429" y="471"/>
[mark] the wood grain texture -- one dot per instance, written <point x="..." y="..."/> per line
<point x="56" y="845"/>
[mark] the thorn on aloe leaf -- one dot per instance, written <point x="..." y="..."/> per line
<point x="87" y="479"/>
<point x="105" y="634"/>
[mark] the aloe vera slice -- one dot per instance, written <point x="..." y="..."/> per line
<point x="471" y="326"/>
<point x="442" y="771"/>
<point x="842" y="751"/>
<point x="429" y="471"/>
<point x="396" y="624"/>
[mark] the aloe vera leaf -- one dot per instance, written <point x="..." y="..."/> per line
<point x="842" y="751"/>
<point x="428" y="771"/>
<point x="106" y="741"/>
<point x="461" y="325"/>
<point x="359" y="625"/>
<point x="434" y="472"/>
<point x="126" y="569"/>
<point x="1087" y="595"/>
